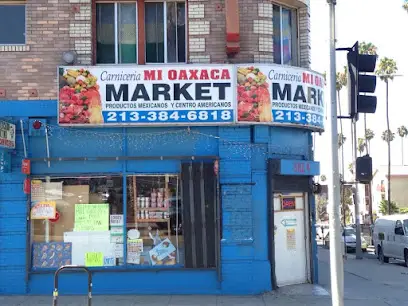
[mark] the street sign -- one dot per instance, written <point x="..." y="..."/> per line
<point x="289" y="222"/>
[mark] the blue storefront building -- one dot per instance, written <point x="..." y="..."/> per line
<point x="171" y="207"/>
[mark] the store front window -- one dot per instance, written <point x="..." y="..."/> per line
<point x="71" y="221"/>
<point x="142" y="221"/>
<point x="154" y="221"/>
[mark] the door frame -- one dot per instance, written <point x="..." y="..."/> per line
<point x="295" y="184"/>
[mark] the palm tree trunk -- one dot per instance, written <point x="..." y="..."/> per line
<point x="389" y="147"/>
<point x="402" y="150"/>
<point x="365" y="132"/>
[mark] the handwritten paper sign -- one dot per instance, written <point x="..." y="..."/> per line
<point x="43" y="210"/>
<point x="94" y="259"/>
<point x="91" y="217"/>
<point x="116" y="220"/>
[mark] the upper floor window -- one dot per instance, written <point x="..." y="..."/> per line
<point x="12" y="23"/>
<point x="284" y="35"/>
<point x="118" y="31"/>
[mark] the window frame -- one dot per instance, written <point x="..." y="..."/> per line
<point x="295" y="33"/>
<point x="17" y="3"/>
<point x="116" y="28"/>
<point x="125" y="266"/>
<point x="165" y="31"/>
<point x="141" y="57"/>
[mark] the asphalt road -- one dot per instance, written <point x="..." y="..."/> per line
<point x="369" y="280"/>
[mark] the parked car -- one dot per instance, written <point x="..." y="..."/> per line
<point x="348" y="236"/>
<point x="390" y="237"/>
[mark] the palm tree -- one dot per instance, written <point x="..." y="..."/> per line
<point x="402" y="132"/>
<point x="405" y="5"/>
<point x="386" y="71"/>
<point x="369" y="135"/>
<point x="367" y="48"/>
<point x="388" y="136"/>
<point x="361" y="145"/>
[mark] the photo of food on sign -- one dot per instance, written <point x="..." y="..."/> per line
<point x="254" y="101"/>
<point x="79" y="98"/>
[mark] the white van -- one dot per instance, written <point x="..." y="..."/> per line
<point x="390" y="237"/>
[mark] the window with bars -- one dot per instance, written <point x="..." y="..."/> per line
<point x="118" y="33"/>
<point x="285" y="35"/>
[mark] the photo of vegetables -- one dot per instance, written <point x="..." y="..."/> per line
<point x="254" y="101"/>
<point x="79" y="98"/>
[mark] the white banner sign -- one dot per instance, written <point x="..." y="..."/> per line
<point x="146" y="95"/>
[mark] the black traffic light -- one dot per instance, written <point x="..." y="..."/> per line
<point x="360" y="83"/>
<point x="364" y="169"/>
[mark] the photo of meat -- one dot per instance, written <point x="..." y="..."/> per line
<point x="254" y="101"/>
<point x="79" y="98"/>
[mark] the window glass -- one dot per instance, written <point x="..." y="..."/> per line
<point x="87" y="228"/>
<point x="154" y="28"/>
<point x="12" y="24"/>
<point x="173" y="44"/>
<point x="127" y="32"/>
<point x="105" y="33"/>
<point x="277" y="42"/>
<point x="406" y="227"/>
<point x="176" y="42"/>
<point x="154" y="221"/>
<point x="284" y="29"/>
<point x="287" y="36"/>
<point x="116" y="36"/>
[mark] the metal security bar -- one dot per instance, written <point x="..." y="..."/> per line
<point x="200" y="214"/>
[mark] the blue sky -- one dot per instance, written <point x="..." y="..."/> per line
<point x="385" y="24"/>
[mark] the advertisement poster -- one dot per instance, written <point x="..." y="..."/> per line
<point x="7" y="135"/>
<point x="43" y="210"/>
<point x="163" y="254"/>
<point x="146" y="95"/>
<point x="51" y="255"/>
<point x="272" y="94"/>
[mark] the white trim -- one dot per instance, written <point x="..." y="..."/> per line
<point x="115" y="25"/>
<point x="165" y="31"/>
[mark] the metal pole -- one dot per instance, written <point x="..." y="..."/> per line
<point x="357" y="201"/>
<point x="336" y="260"/>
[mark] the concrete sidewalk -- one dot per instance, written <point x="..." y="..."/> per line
<point x="291" y="296"/>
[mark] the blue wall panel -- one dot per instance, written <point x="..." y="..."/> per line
<point x="243" y="153"/>
<point x="13" y="224"/>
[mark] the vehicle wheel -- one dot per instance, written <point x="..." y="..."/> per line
<point x="406" y="257"/>
<point x="364" y="250"/>
<point x="381" y="257"/>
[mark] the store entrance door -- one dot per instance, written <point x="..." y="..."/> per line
<point x="290" y="239"/>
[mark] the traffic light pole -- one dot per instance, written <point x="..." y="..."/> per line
<point x="336" y="259"/>
<point x="356" y="196"/>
